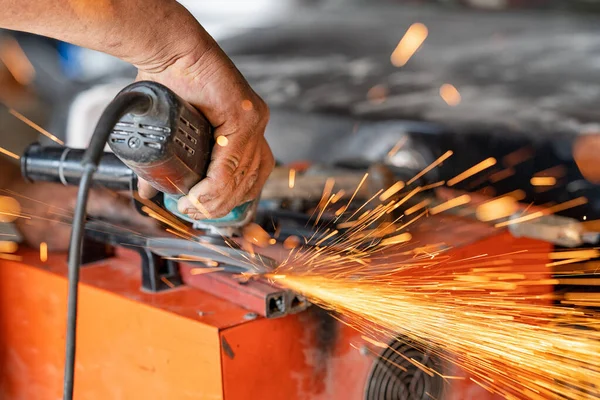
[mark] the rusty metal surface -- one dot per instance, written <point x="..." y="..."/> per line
<point x="253" y="295"/>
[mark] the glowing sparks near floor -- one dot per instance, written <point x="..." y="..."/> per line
<point x="43" y="252"/>
<point x="409" y="44"/>
<point x="9" y="153"/>
<point x="36" y="126"/>
<point x="512" y="343"/>
<point x="475" y="169"/>
<point x="450" y="94"/>
<point x="292" y="178"/>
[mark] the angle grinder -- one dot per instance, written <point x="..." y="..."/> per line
<point x="167" y="143"/>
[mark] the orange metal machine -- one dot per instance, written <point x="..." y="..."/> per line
<point x="185" y="343"/>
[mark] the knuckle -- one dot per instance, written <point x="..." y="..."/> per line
<point x="251" y="181"/>
<point x="232" y="161"/>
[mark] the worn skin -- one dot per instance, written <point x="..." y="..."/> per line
<point x="167" y="45"/>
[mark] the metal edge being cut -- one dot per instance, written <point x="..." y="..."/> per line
<point x="244" y="261"/>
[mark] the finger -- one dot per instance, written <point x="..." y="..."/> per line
<point x="267" y="163"/>
<point x="145" y="190"/>
<point x="229" y="164"/>
<point x="247" y="189"/>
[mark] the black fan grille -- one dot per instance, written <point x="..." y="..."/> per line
<point x="393" y="377"/>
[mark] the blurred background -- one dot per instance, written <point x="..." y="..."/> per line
<point x="491" y="77"/>
<point x="353" y="83"/>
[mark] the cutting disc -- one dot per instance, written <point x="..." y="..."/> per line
<point x="231" y="259"/>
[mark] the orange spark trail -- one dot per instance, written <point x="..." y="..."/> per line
<point x="9" y="153"/>
<point x="455" y="202"/>
<point x="409" y="44"/>
<point x="292" y="178"/>
<point x="36" y="126"/>
<point x="431" y="166"/>
<point x="475" y="169"/>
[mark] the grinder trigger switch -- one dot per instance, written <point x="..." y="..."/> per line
<point x="169" y="146"/>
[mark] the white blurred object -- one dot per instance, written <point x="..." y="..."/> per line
<point x="225" y="18"/>
<point x="85" y="112"/>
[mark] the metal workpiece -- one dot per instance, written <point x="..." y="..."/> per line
<point x="232" y="259"/>
<point x="256" y="296"/>
<point x="561" y="231"/>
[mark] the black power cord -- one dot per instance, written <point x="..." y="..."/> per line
<point x="124" y="103"/>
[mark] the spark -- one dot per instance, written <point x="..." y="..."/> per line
<point x="195" y="202"/>
<point x="592" y="253"/>
<point x="543" y="181"/>
<point x="338" y="196"/>
<point x="292" y="178"/>
<point x="43" y="252"/>
<point x="411" y="221"/>
<point x="11" y="257"/>
<point x="222" y="141"/>
<point x="9" y="153"/>
<point x="509" y="343"/>
<point x="405" y="199"/>
<point x="202" y="271"/>
<point x="291" y="242"/>
<point x="472" y="310"/>
<point x="10" y="209"/>
<point x="362" y="181"/>
<point x="517" y="157"/>
<point x="500" y="175"/>
<point x="394" y="150"/>
<point x="550" y="210"/>
<point x="409" y="44"/>
<point x="167" y="282"/>
<point x="401" y="238"/>
<point x="431" y="166"/>
<point x="433" y="185"/>
<point x="35" y="126"/>
<point x="452" y="203"/>
<point x="472" y="171"/>
<point x="8" y="246"/>
<point x="417" y="207"/>
<point x="392" y="190"/>
<point x="450" y="94"/>
<point x="501" y="207"/>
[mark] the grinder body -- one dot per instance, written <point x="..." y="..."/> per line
<point x="169" y="146"/>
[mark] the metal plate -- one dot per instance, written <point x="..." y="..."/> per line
<point x="234" y="260"/>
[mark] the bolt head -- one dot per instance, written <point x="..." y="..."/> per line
<point x="134" y="142"/>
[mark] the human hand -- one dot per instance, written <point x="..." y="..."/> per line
<point x="50" y="206"/>
<point x="200" y="72"/>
